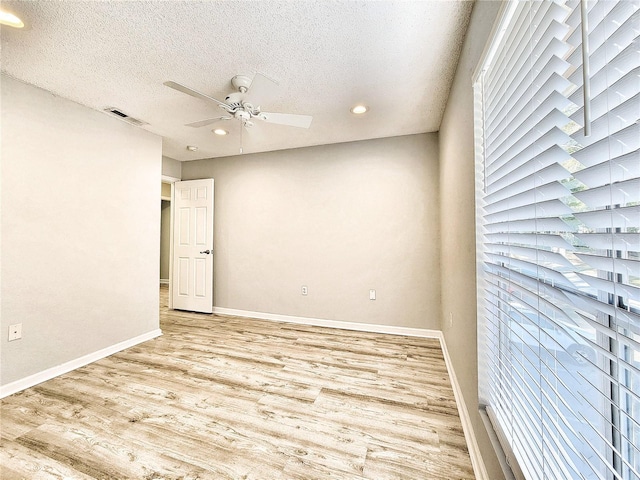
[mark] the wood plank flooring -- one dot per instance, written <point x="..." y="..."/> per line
<point x="234" y="398"/>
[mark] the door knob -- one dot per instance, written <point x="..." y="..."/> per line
<point x="207" y="252"/>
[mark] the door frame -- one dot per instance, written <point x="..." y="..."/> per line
<point x="172" y="181"/>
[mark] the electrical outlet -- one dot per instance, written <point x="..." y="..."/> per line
<point x="450" y="319"/>
<point x="15" y="332"/>
<point x="372" y="294"/>
<point x="305" y="290"/>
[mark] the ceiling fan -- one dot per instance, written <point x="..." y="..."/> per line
<point x="244" y="104"/>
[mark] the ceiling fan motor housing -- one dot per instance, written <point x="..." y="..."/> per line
<point x="234" y="100"/>
<point x="241" y="83"/>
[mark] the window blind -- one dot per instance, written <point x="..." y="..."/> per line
<point x="558" y="237"/>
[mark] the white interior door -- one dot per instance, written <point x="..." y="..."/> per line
<point x="192" y="262"/>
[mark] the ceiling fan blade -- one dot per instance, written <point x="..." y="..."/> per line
<point x="204" y="123"/>
<point x="302" y="121"/>
<point x="193" y="93"/>
<point x="262" y="90"/>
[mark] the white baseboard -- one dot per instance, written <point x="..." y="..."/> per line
<point x="318" y="322"/>
<point x="164" y="281"/>
<point x="472" y="443"/>
<point x="49" y="373"/>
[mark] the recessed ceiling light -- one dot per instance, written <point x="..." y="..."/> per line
<point x="10" y="20"/>
<point x="359" y="109"/>
<point x="220" y="131"/>
<point x="192" y="148"/>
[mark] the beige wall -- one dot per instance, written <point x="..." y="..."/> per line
<point x="79" y="259"/>
<point x="341" y="219"/>
<point x="171" y="168"/>
<point x="458" y="223"/>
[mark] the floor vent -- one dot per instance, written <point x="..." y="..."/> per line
<point x="125" y="117"/>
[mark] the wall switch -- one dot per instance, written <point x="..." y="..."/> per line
<point x="372" y="294"/>
<point x="15" y="332"/>
<point x="305" y="289"/>
<point x="450" y="319"/>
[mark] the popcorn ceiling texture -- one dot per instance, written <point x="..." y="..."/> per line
<point x="398" y="57"/>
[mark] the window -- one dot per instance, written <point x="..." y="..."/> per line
<point x="558" y="226"/>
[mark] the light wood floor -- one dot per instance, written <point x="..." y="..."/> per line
<point x="234" y="398"/>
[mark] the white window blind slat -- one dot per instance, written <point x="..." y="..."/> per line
<point x="497" y="274"/>
<point x="553" y="136"/>
<point x="531" y="225"/>
<point x="624" y="242"/>
<point x="608" y="286"/>
<point x="529" y="239"/>
<point x="605" y="122"/>
<point x="598" y="11"/>
<point x="625" y="217"/>
<point x="550" y="52"/>
<point x="518" y="295"/>
<point x="532" y="270"/>
<point x="554" y="172"/>
<point x="619" y="144"/>
<point x="554" y="338"/>
<point x="604" y="50"/>
<point x="515" y="48"/>
<point x="615" y="170"/>
<point x="527" y="134"/>
<point x="542" y="209"/>
<point x="623" y="192"/>
<point x="535" y="112"/>
<point x="618" y="68"/>
<point x="554" y="66"/>
<point x="610" y="22"/>
<point x="543" y="193"/>
<point x="517" y="170"/>
<point x="609" y="97"/>
<point x="609" y="264"/>
<point x="605" y="331"/>
<point x="520" y="26"/>
<point x="590" y="304"/>
<point x="559" y="239"/>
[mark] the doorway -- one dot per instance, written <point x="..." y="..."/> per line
<point x="165" y="233"/>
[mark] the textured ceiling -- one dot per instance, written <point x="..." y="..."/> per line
<point x="397" y="57"/>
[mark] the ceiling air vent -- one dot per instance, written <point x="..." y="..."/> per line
<point x="125" y="117"/>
